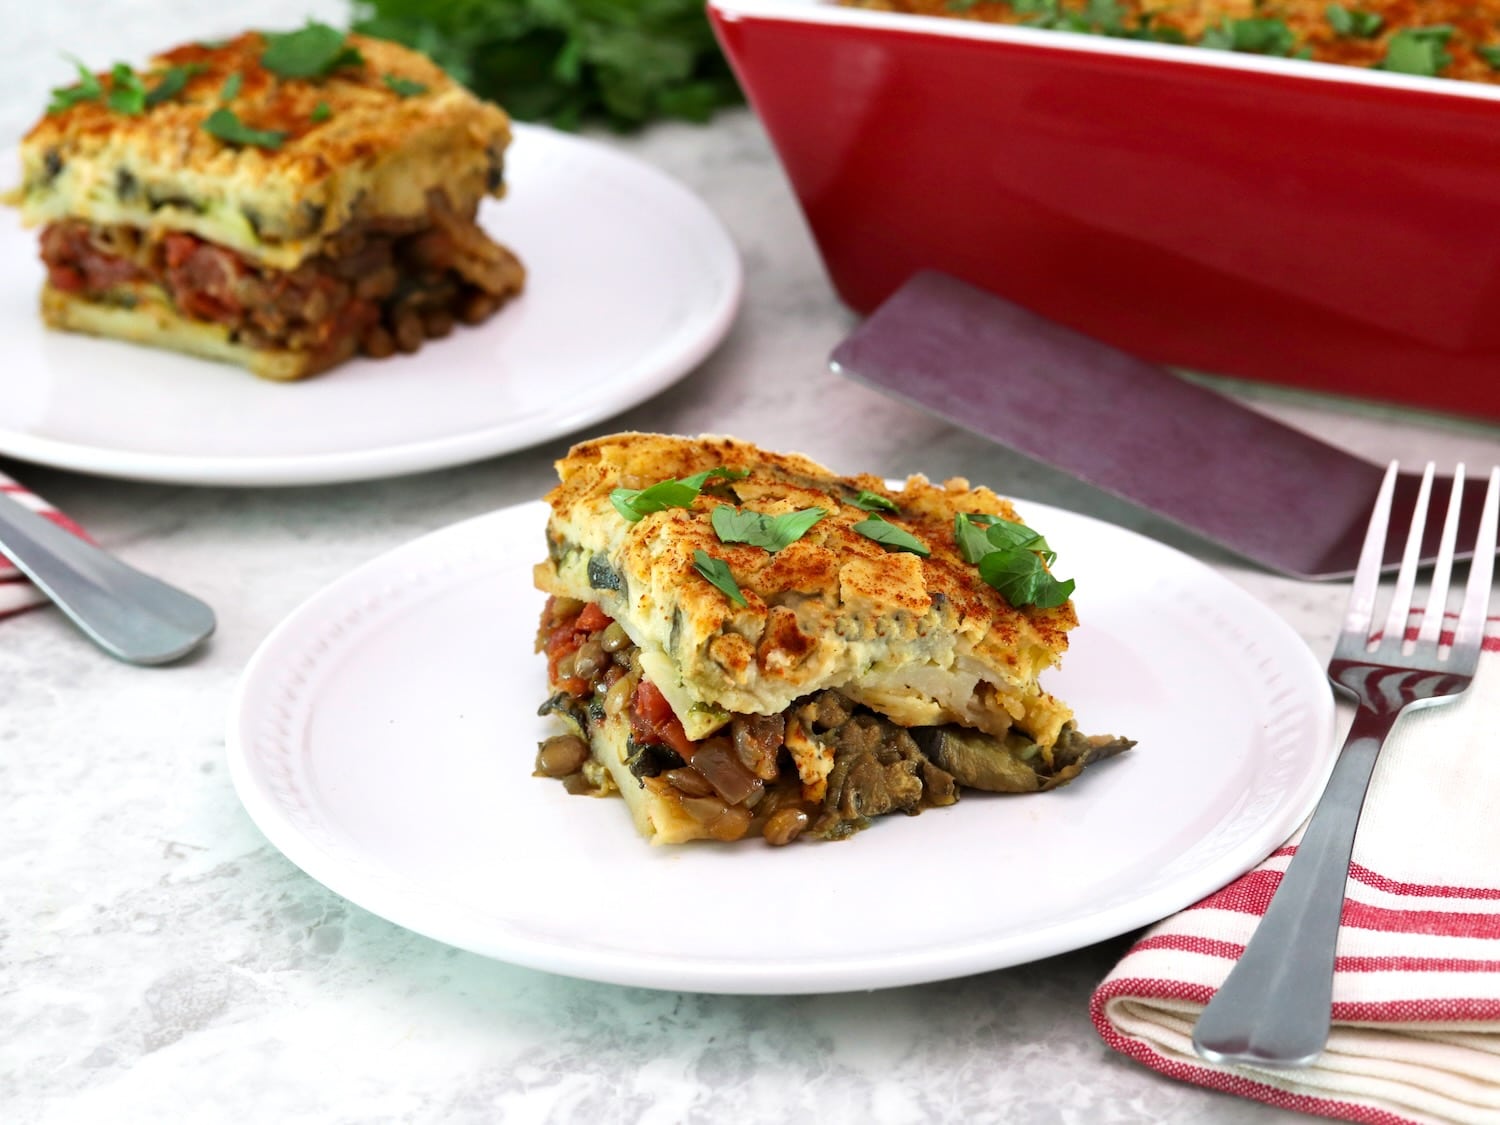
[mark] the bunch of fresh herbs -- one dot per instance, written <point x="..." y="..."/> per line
<point x="567" y="61"/>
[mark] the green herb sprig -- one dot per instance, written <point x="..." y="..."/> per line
<point x="717" y="572"/>
<point x="734" y="525"/>
<point x="127" y="93"/>
<point x="638" y="503"/>
<point x="314" y="51"/>
<point x="1352" y="22"/>
<point x="1022" y="579"/>
<point x="1418" y="50"/>
<point x="1097" y="17"/>
<point x="404" y="87"/>
<point x="868" y="501"/>
<point x="86" y="89"/>
<point x="890" y="536"/>
<point x="1253" y="36"/>
<point x="1012" y="558"/>
<point x="172" y="82"/>
<point x="226" y="125"/>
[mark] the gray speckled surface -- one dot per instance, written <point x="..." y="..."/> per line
<point x="159" y="961"/>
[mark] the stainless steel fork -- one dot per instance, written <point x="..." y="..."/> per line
<point x="1275" y="1008"/>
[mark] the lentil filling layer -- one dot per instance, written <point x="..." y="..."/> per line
<point x="382" y="286"/>
<point x="743" y="780"/>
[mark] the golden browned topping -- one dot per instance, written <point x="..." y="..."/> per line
<point x="363" y="114"/>
<point x="212" y="141"/>
<point x="874" y="598"/>
<point x="1446" y="38"/>
<point x="831" y="560"/>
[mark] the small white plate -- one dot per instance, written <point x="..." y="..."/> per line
<point x="631" y="282"/>
<point x="383" y="736"/>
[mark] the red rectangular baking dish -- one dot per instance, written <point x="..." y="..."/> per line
<point x="1321" y="226"/>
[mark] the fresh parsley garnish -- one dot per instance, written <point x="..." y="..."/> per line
<point x="717" y="571"/>
<point x="320" y="112"/>
<point x="1253" y="36"/>
<point x="638" y="503"/>
<point x="1149" y="30"/>
<point x="891" y="537"/>
<point x="224" y="124"/>
<point x="1490" y="55"/>
<point x="1353" y="22"/>
<point x="86" y="89"/>
<point x="979" y="533"/>
<point x="969" y="534"/>
<point x="1100" y="17"/>
<point x="171" y="83"/>
<point x="231" y="88"/>
<point x="310" y="52"/>
<point x="1418" y="50"/>
<point x="405" y="87"/>
<point x="127" y="93"/>
<point x="1022" y="579"/>
<point x="1011" y="557"/>
<point x="734" y="525"/>
<point x="868" y="501"/>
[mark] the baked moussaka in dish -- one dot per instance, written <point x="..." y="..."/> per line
<point x="740" y="642"/>
<point x="281" y="201"/>
<point x="1435" y="38"/>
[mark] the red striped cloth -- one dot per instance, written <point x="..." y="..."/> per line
<point x="16" y="593"/>
<point x="1416" y="996"/>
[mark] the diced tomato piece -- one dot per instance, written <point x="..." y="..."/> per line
<point x="653" y="721"/>
<point x="65" y="278"/>
<point x="675" y="737"/>
<point x="574" y="685"/>
<point x="75" y="264"/>
<point x="568" y="636"/>
<point x="651" y="704"/>
<point x="563" y="641"/>
<point x="592" y="619"/>
<point x="179" y="248"/>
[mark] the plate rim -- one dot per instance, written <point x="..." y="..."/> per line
<point x="448" y="451"/>
<point x="805" y="975"/>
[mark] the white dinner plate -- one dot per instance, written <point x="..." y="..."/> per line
<point x="631" y="281"/>
<point x="383" y="737"/>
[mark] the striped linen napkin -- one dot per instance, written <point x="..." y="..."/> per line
<point x="16" y="593"/>
<point x="1416" y="995"/>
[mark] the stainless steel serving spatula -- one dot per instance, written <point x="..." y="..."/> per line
<point x="1237" y="477"/>
<point x="131" y="615"/>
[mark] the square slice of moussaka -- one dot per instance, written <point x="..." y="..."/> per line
<point x="281" y="201"/>
<point x="740" y="642"/>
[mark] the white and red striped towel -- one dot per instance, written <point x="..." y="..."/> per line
<point x="16" y="593"/>
<point x="1416" y="996"/>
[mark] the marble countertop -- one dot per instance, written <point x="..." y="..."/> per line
<point x="160" y="961"/>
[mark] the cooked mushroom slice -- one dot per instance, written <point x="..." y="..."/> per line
<point x="1073" y="747"/>
<point x="877" y="769"/>
<point x="566" y="707"/>
<point x="1013" y="764"/>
